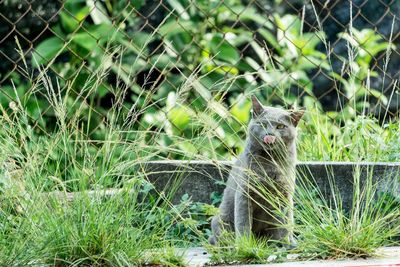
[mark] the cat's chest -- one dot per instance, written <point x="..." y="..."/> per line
<point x="265" y="170"/>
<point x="269" y="175"/>
<point x="267" y="179"/>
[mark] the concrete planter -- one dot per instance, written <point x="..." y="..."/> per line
<point x="199" y="179"/>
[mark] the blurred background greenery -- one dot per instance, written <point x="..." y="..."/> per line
<point x="183" y="71"/>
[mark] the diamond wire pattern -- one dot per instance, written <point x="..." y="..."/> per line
<point x="160" y="44"/>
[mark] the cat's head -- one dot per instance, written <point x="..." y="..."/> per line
<point x="270" y="127"/>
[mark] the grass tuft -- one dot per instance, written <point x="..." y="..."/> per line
<point x="245" y="249"/>
<point x="326" y="229"/>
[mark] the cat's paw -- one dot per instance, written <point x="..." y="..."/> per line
<point x="212" y="240"/>
<point x="292" y="243"/>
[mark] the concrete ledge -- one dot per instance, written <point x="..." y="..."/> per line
<point x="199" y="179"/>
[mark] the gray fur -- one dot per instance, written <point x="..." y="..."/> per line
<point x="258" y="197"/>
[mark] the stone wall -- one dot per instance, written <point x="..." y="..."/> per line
<point x="199" y="179"/>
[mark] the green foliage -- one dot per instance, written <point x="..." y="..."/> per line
<point x="362" y="138"/>
<point x="363" y="46"/>
<point x="243" y="250"/>
<point x="84" y="35"/>
<point x="89" y="231"/>
<point x="194" y="226"/>
<point x="44" y="228"/>
<point x="190" y="80"/>
<point x="325" y="230"/>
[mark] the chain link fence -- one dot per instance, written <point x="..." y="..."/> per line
<point x="166" y="62"/>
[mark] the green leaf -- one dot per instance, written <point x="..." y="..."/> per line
<point x="97" y="12"/>
<point x="311" y="41"/>
<point x="378" y="95"/>
<point x="46" y="50"/>
<point x="224" y="50"/>
<point x="137" y="3"/>
<point x="247" y="13"/>
<point x="271" y="39"/>
<point x="374" y="50"/>
<point x="241" y="109"/>
<point x="187" y="146"/>
<point x="70" y="21"/>
<point x="179" y="9"/>
<point x="172" y="27"/>
<point x="308" y="63"/>
<point x="84" y="40"/>
<point x="104" y="32"/>
<point x="179" y="116"/>
<point x="261" y="53"/>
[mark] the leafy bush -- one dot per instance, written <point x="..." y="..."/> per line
<point x="189" y="79"/>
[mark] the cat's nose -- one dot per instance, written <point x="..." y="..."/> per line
<point x="269" y="139"/>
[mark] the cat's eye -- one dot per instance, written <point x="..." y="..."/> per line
<point x="280" y="126"/>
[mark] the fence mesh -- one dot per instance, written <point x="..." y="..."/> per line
<point x="176" y="58"/>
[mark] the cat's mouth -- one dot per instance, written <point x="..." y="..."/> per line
<point x="269" y="139"/>
<point x="271" y="142"/>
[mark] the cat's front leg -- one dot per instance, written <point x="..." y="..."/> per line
<point x="243" y="214"/>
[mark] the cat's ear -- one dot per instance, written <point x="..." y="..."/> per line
<point x="257" y="107"/>
<point x="296" y="115"/>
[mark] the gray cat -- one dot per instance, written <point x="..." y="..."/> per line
<point x="258" y="197"/>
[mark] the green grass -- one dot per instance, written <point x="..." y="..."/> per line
<point x="90" y="231"/>
<point x="326" y="229"/>
<point x="143" y="227"/>
<point x="245" y="249"/>
<point x="362" y="138"/>
<point x="133" y="227"/>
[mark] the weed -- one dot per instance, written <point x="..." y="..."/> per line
<point x="245" y="249"/>
<point x="326" y="229"/>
